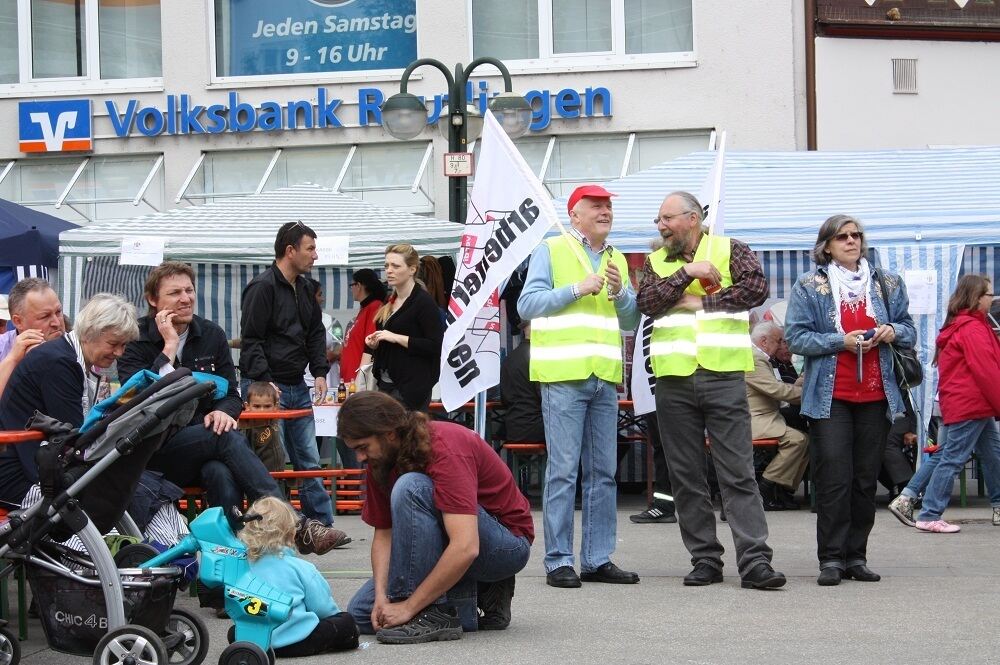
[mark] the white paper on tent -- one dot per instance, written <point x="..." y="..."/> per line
<point x="326" y="420"/>
<point x="332" y="250"/>
<point x="921" y="287"/>
<point x="144" y="251"/>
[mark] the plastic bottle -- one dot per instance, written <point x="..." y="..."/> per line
<point x="341" y="392"/>
<point x="351" y="388"/>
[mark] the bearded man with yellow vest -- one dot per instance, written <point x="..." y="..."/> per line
<point x="699" y="289"/>
<point x="578" y="298"/>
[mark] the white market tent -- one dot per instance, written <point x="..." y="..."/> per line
<point x="229" y="241"/>
<point x="936" y="210"/>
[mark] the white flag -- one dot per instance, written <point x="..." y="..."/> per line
<point x="713" y="191"/>
<point x="643" y="381"/>
<point x="509" y="213"/>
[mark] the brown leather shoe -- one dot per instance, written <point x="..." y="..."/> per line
<point x="313" y="537"/>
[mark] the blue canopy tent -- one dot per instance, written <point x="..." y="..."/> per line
<point x="29" y="243"/>
<point x="936" y="210"/>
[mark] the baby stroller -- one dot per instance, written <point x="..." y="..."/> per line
<point x="90" y="602"/>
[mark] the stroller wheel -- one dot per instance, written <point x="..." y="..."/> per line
<point x="10" y="648"/>
<point x="132" y="555"/>
<point x="231" y="634"/>
<point x="186" y="638"/>
<point x="128" y="645"/>
<point x="246" y="653"/>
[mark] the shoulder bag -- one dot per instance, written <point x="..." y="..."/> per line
<point x="909" y="371"/>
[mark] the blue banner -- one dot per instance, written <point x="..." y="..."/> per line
<point x="312" y="36"/>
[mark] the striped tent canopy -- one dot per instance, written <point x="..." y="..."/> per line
<point x="229" y="242"/>
<point x="242" y="230"/>
<point x="777" y="200"/>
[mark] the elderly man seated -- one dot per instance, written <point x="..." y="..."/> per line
<point x="765" y="393"/>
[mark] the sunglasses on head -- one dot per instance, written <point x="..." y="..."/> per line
<point x="853" y="235"/>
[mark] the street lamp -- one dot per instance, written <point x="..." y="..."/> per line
<point x="405" y="116"/>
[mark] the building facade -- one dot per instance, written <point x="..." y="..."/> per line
<point x="905" y="73"/>
<point x="115" y="110"/>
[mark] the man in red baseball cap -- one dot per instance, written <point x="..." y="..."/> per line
<point x="578" y="297"/>
<point x="590" y="191"/>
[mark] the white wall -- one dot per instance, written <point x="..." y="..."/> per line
<point x="744" y="81"/>
<point x="955" y="105"/>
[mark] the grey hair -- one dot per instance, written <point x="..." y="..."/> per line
<point x="691" y="203"/>
<point x="830" y="228"/>
<point x="763" y="329"/>
<point x="20" y="291"/>
<point x="107" y="312"/>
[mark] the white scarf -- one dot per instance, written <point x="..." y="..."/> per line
<point x="852" y="288"/>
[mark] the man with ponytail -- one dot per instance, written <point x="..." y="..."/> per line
<point x="451" y="527"/>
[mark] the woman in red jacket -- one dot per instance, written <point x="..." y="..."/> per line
<point x="370" y="292"/>
<point x="968" y="360"/>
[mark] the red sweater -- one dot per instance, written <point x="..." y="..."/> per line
<point x="968" y="369"/>
<point x="845" y="384"/>
<point x="354" y="344"/>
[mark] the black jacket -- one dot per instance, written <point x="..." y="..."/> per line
<point x="282" y="330"/>
<point x="206" y="350"/>
<point x="49" y="380"/>
<point x="522" y="397"/>
<point x="415" y="369"/>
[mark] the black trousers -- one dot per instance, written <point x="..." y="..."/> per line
<point x="845" y="451"/>
<point x="334" y="633"/>
<point x="661" y="475"/>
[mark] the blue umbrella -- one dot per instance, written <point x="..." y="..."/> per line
<point x="29" y="237"/>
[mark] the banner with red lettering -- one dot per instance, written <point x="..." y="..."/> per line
<point x="509" y="213"/>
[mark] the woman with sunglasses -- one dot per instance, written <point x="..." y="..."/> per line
<point x="842" y="323"/>
<point x="370" y="292"/>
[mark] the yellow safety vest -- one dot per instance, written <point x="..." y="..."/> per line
<point x="683" y="340"/>
<point x="583" y="338"/>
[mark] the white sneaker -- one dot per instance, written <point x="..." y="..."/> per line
<point x="902" y="508"/>
<point x="938" y="526"/>
<point x="996" y="515"/>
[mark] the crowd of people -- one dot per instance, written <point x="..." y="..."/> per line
<point x="452" y="528"/>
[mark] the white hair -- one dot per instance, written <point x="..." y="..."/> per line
<point x="107" y="312"/>
<point x="765" y="329"/>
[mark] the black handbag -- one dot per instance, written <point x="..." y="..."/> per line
<point x="909" y="371"/>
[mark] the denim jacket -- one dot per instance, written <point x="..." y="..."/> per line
<point x="811" y="331"/>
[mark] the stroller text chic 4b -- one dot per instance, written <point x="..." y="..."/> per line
<point x="91" y="602"/>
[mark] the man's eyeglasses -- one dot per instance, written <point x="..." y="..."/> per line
<point x="667" y="218"/>
<point x="853" y="235"/>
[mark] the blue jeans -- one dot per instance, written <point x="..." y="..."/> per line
<point x="981" y="435"/>
<point x="418" y="539"/>
<point x="581" y="425"/>
<point x="224" y="465"/>
<point x="299" y="436"/>
<point x="990" y="465"/>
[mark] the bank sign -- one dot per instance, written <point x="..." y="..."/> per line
<point x="64" y="125"/>
<point x="270" y="37"/>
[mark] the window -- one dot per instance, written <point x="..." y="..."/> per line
<point x="565" y="162"/>
<point x="274" y="38"/>
<point x="554" y="34"/>
<point x="86" y="189"/>
<point x="382" y="173"/>
<point x="8" y="43"/>
<point x="72" y="42"/>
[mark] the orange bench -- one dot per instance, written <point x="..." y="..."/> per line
<point x="525" y="454"/>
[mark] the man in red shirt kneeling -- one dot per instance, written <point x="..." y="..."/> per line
<point x="450" y="525"/>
